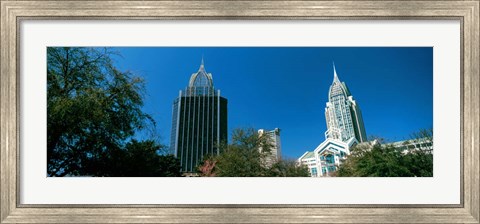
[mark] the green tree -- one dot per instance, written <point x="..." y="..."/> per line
<point x="93" y="112"/>
<point x="242" y="158"/>
<point x="288" y="168"/>
<point x="389" y="161"/>
<point x="138" y="159"/>
<point x="379" y="161"/>
<point x="420" y="163"/>
<point x="246" y="156"/>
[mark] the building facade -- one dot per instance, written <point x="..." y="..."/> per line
<point x="406" y="146"/>
<point x="199" y="121"/>
<point x="276" y="147"/>
<point x="308" y="159"/>
<point x="343" y="115"/>
<point x="345" y="128"/>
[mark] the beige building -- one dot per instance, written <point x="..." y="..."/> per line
<point x="276" y="149"/>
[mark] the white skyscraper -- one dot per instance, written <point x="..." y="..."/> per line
<point x="344" y="118"/>
<point x="345" y="128"/>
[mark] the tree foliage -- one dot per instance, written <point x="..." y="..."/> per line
<point x="288" y="168"/>
<point x="138" y="159"/>
<point x="389" y="161"/>
<point x="93" y="112"/>
<point x="243" y="158"/>
<point x="375" y="162"/>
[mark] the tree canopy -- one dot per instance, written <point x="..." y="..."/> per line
<point x="243" y="158"/>
<point x="94" y="111"/>
<point x="389" y="161"/>
<point x="288" y="168"/>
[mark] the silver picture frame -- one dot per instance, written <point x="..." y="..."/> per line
<point x="14" y="12"/>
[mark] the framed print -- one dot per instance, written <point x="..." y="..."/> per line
<point x="239" y="111"/>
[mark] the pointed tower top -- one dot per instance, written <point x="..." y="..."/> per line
<point x="335" y="76"/>
<point x="202" y="66"/>
<point x="201" y="78"/>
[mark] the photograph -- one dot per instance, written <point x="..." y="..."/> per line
<point x="239" y="111"/>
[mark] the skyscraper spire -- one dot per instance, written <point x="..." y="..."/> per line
<point x="202" y="66"/>
<point x="335" y="76"/>
<point x="201" y="78"/>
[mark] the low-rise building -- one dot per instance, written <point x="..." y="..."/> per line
<point x="329" y="155"/>
<point x="406" y="146"/>
<point x="308" y="159"/>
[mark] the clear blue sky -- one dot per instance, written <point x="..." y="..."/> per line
<point x="287" y="87"/>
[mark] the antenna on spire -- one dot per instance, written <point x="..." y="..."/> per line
<point x="202" y="65"/>
<point x="335" y="76"/>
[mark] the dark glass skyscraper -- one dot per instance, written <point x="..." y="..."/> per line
<point x="199" y="121"/>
